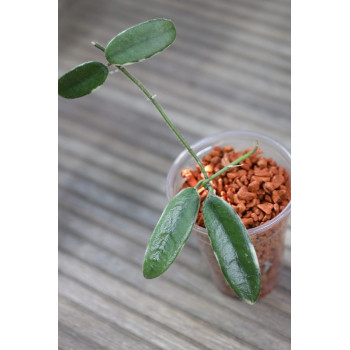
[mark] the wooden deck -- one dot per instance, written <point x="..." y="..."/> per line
<point x="229" y="68"/>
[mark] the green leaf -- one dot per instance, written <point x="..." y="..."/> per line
<point x="171" y="232"/>
<point x="82" y="80"/>
<point x="141" y="41"/>
<point x="233" y="248"/>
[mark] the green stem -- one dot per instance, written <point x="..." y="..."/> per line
<point x="97" y="45"/>
<point x="205" y="182"/>
<point x="167" y="120"/>
<point x="160" y="109"/>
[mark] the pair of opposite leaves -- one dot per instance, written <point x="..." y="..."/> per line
<point x="228" y="236"/>
<point x="133" y="45"/>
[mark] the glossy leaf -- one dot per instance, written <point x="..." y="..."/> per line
<point x="233" y="248"/>
<point x="141" y="41"/>
<point x="171" y="232"/>
<point x="82" y="80"/>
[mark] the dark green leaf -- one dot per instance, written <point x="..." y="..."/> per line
<point x="233" y="248"/>
<point x="141" y="41"/>
<point x="171" y="233"/>
<point x="82" y="80"/>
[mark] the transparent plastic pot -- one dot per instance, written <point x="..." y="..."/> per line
<point x="269" y="238"/>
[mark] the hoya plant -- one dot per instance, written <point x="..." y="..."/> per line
<point x="228" y="236"/>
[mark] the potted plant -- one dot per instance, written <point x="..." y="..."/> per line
<point x="227" y="236"/>
<point x="267" y="236"/>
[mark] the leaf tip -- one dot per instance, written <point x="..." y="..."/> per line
<point x="147" y="270"/>
<point x="251" y="302"/>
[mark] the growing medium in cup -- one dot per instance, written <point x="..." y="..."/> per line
<point x="259" y="190"/>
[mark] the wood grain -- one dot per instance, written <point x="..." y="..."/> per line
<point x="229" y="68"/>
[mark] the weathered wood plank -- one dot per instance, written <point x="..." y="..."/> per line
<point x="253" y="11"/>
<point x="186" y="301"/>
<point x="189" y="270"/>
<point x="148" y="305"/>
<point x="207" y="75"/>
<point x="188" y="104"/>
<point x="215" y="63"/>
<point x="77" y="135"/>
<point x="121" y="315"/>
<point x="103" y="333"/>
<point x="113" y="201"/>
<point x="123" y="228"/>
<point x="262" y="36"/>
<point x="114" y="183"/>
<point x="69" y="339"/>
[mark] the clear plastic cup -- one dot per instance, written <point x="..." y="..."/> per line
<point x="268" y="239"/>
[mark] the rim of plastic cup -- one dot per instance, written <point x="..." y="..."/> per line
<point x="198" y="145"/>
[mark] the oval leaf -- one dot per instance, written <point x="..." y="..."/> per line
<point x="171" y="232"/>
<point x="141" y="41"/>
<point x="82" y="80"/>
<point x="233" y="248"/>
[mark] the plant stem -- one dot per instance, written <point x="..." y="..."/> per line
<point x="167" y="120"/>
<point x="98" y="46"/>
<point x="205" y="182"/>
<point x="159" y="108"/>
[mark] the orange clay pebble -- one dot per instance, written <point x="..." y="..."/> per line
<point x="190" y="179"/>
<point x="266" y="207"/>
<point x="278" y="180"/>
<point x="253" y="186"/>
<point x="269" y="187"/>
<point x="244" y="195"/>
<point x="248" y="221"/>
<point x="258" y="190"/>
